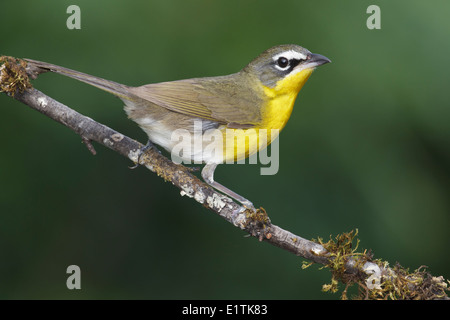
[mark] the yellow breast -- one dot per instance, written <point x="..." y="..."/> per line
<point x="241" y="143"/>
<point x="282" y="98"/>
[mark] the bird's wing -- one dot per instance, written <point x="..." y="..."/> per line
<point x="223" y="99"/>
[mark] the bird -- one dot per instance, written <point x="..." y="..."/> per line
<point x="244" y="110"/>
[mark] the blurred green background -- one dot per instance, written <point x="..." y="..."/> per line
<point x="367" y="147"/>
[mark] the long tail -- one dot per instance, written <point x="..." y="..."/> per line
<point x="117" y="89"/>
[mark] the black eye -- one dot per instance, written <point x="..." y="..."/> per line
<point x="282" y="62"/>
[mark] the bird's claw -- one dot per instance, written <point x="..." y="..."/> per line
<point x="141" y="152"/>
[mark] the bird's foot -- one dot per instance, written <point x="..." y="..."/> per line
<point x="142" y="150"/>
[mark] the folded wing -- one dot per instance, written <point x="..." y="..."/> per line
<point x="228" y="99"/>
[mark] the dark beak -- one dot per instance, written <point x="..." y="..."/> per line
<point x="316" y="60"/>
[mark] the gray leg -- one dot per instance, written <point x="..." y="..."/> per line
<point x="208" y="176"/>
<point x="141" y="152"/>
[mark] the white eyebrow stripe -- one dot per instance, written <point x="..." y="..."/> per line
<point x="290" y="54"/>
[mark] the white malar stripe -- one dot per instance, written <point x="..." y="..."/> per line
<point x="301" y="68"/>
<point x="290" y="54"/>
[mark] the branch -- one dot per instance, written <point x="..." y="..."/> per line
<point x="346" y="265"/>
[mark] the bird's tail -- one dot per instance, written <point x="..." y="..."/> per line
<point x="117" y="89"/>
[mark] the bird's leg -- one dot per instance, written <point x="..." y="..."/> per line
<point x="208" y="176"/>
<point x="141" y="152"/>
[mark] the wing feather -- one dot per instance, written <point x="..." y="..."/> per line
<point x="226" y="99"/>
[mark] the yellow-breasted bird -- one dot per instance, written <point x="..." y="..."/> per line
<point x="260" y="96"/>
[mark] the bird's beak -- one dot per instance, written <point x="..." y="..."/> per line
<point x="315" y="60"/>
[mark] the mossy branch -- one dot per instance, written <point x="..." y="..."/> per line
<point x="374" y="278"/>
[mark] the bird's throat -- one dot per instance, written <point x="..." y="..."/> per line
<point x="281" y="99"/>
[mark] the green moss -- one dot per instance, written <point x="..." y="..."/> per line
<point x="395" y="283"/>
<point x="258" y="223"/>
<point x="340" y="249"/>
<point x="13" y="77"/>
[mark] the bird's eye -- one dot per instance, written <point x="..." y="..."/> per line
<point x="282" y="62"/>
